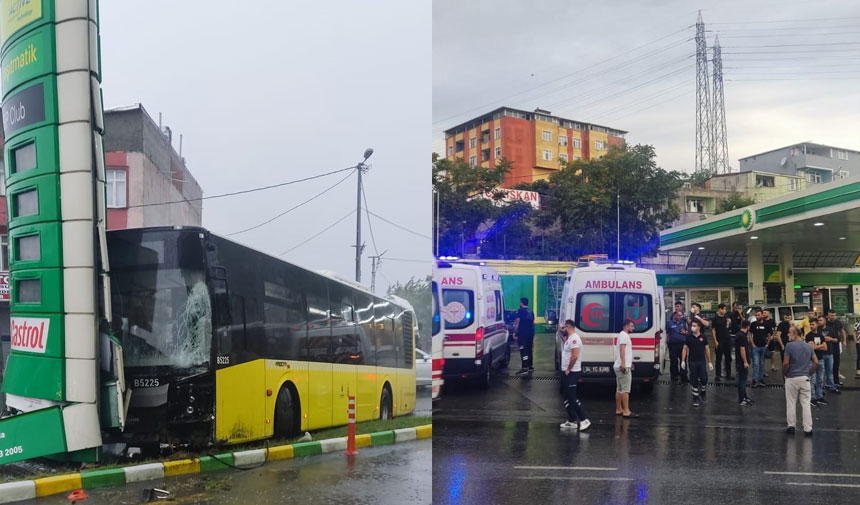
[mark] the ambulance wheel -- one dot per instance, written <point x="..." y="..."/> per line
<point x="484" y="379"/>
<point x="507" y="359"/>
<point x="286" y="425"/>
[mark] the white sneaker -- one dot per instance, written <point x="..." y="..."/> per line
<point x="567" y="425"/>
<point x="583" y="425"/>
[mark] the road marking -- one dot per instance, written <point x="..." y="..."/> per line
<point x="595" y="468"/>
<point x="815" y="474"/>
<point x="553" y="477"/>
<point x="821" y="484"/>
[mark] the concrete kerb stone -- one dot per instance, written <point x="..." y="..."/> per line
<point x="11" y="492"/>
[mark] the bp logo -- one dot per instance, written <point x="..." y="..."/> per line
<point x="748" y="219"/>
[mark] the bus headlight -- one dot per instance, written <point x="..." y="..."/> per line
<point x="189" y="409"/>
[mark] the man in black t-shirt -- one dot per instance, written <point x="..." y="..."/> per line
<point x="819" y="346"/>
<point x="720" y="324"/>
<point x="842" y="337"/>
<point x="780" y="337"/>
<point x="760" y="339"/>
<point x="698" y="353"/>
<point x="736" y="317"/>
<point x="832" y="342"/>
<point x="743" y="359"/>
<point x="524" y="335"/>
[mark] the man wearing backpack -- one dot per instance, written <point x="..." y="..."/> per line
<point x="524" y="335"/>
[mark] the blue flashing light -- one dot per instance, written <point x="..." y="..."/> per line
<point x="468" y="315"/>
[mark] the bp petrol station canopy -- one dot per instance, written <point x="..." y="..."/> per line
<point x="821" y="225"/>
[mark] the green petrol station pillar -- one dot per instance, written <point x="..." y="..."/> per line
<point x="786" y="269"/>
<point x="53" y="121"/>
<point x="755" y="274"/>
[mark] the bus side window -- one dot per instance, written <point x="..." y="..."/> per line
<point x="319" y="331"/>
<point x="386" y="345"/>
<point x="346" y="342"/>
<point x="364" y="312"/>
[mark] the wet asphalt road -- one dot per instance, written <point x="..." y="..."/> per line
<point x="504" y="446"/>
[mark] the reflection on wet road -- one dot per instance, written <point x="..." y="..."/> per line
<point x="504" y="446"/>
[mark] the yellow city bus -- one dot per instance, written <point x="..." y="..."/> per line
<point x="226" y="344"/>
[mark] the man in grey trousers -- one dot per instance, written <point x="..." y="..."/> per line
<point x="796" y="369"/>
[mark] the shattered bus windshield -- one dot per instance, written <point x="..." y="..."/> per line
<point x="162" y="309"/>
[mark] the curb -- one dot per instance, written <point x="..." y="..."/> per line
<point x="28" y="489"/>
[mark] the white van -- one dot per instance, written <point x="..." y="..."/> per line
<point x="438" y="335"/>
<point x="598" y="298"/>
<point x="472" y="312"/>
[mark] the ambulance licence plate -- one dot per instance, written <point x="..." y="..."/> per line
<point x="596" y="369"/>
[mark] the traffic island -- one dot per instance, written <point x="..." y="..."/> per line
<point x="28" y="489"/>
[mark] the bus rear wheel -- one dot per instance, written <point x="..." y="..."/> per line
<point x="385" y="410"/>
<point x="285" y="414"/>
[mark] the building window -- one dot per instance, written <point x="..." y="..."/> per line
<point x="473" y="142"/>
<point x="599" y="145"/>
<point x="450" y="150"/>
<point x="546" y="135"/>
<point x="842" y="155"/>
<point x="4" y="253"/>
<point x="116" y="188"/>
<point x="473" y="161"/>
<point x="498" y="152"/>
<point x="562" y="140"/>
<point x="695" y="206"/>
<point x="764" y="181"/>
<point x="547" y="155"/>
<point x="577" y="158"/>
<point x="577" y="143"/>
<point x="842" y="174"/>
<point x="562" y="157"/>
<point x="813" y="178"/>
<point x="498" y="133"/>
<point x="793" y="184"/>
<point x="485" y="155"/>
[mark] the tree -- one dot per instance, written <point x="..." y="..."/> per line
<point x="458" y="187"/>
<point x="417" y="292"/>
<point x="734" y="201"/>
<point x="582" y="202"/>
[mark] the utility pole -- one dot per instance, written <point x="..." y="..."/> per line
<point x="705" y="159"/>
<point x="721" y="150"/>
<point x="375" y="264"/>
<point x="361" y="167"/>
<point x="618" y="224"/>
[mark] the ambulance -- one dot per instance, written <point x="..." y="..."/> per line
<point x="599" y="298"/>
<point x="472" y="311"/>
<point x="437" y="335"/>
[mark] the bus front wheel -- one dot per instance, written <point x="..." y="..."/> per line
<point x="285" y="414"/>
<point x="385" y="410"/>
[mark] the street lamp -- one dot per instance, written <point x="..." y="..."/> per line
<point x="361" y="167"/>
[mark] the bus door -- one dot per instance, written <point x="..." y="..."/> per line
<point x="320" y="368"/>
<point x="346" y="351"/>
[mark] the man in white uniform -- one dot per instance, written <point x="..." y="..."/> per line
<point x="571" y="369"/>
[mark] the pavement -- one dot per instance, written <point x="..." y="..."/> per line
<point x="504" y="446"/>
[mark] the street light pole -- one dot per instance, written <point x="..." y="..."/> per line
<point x="618" y="224"/>
<point x="361" y="167"/>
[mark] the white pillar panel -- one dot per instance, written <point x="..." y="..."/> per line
<point x="98" y="110"/>
<point x="72" y="47"/>
<point x="98" y="144"/>
<point x="755" y="274"/>
<point x="79" y="290"/>
<point x="65" y="10"/>
<point x="78" y="248"/>
<point x="786" y="268"/>
<point x="80" y="335"/>
<point x="75" y="148"/>
<point x="76" y="196"/>
<point x="81" y="424"/>
<point x="81" y="380"/>
<point x="73" y="91"/>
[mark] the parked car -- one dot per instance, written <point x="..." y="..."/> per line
<point x="777" y="311"/>
<point x="423" y="365"/>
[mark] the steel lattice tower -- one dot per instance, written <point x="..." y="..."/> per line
<point x="720" y="143"/>
<point x="704" y="127"/>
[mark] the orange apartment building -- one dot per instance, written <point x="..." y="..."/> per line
<point x="537" y="143"/>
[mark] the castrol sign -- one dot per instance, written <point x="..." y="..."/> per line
<point x="30" y="334"/>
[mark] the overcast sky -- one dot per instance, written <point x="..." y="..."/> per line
<point x="630" y="66"/>
<point x="274" y="91"/>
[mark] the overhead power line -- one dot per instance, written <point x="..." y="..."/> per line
<point x="399" y="226"/>
<point x="338" y="183"/>
<point x="327" y="228"/>
<point x="843" y="18"/>
<point x="244" y="191"/>
<point x="369" y="224"/>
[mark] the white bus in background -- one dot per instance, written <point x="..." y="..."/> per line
<point x="438" y="335"/>
<point x="475" y="335"/>
<point x="598" y="298"/>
